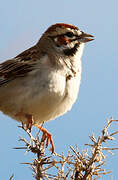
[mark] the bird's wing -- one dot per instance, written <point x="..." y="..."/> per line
<point x="18" y="66"/>
<point x="12" y="69"/>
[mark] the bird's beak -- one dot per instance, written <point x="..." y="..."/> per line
<point x="85" y="37"/>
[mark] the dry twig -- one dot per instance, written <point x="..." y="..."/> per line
<point x="11" y="177"/>
<point x="87" y="165"/>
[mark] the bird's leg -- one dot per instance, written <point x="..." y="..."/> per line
<point x="46" y="136"/>
<point x="30" y="121"/>
<point x="28" y="124"/>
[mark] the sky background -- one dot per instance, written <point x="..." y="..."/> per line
<point x="21" y="25"/>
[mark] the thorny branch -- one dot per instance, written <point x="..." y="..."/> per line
<point x="11" y="177"/>
<point x="87" y="165"/>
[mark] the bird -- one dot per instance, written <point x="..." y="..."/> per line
<point x="42" y="83"/>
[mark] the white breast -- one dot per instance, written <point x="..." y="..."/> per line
<point x="44" y="93"/>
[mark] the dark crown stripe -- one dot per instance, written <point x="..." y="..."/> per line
<point x="52" y="28"/>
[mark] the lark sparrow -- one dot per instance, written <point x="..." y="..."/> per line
<point x="42" y="82"/>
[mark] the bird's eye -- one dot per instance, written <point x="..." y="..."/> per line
<point x="69" y="34"/>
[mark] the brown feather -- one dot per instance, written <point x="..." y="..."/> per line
<point x="18" y="66"/>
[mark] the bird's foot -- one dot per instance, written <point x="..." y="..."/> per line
<point x="46" y="137"/>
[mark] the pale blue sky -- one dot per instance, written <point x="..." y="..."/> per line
<point x="21" y="25"/>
